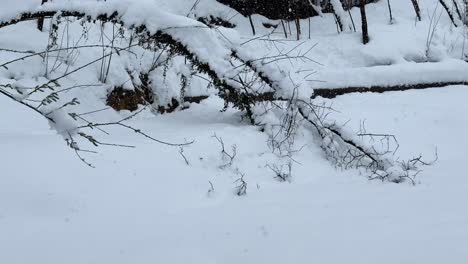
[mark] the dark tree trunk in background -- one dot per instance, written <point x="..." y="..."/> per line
<point x="449" y="12"/>
<point x="40" y="21"/>
<point x="288" y="10"/>
<point x="365" y="32"/>
<point x="390" y="11"/>
<point x="339" y="23"/>
<point x="457" y="9"/>
<point x="416" y="9"/>
<point x="273" y="9"/>
<point x="252" y="25"/>
<point x="298" y="28"/>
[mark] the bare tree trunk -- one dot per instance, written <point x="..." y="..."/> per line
<point x="339" y="20"/>
<point x="284" y="29"/>
<point x="365" y="31"/>
<point x="390" y="11"/>
<point x="350" y="15"/>
<point x="252" y="25"/>
<point x="339" y="24"/>
<point x="449" y="12"/>
<point x="465" y="12"/>
<point x="40" y="21"/>
<point x="457" y="9"/>
<point x="416" y="9"/>
<point x="298" y="28"/>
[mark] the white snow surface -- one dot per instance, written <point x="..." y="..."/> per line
<point x="146" y="205"/>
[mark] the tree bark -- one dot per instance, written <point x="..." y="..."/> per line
<point x="334" y="92"/>
<point x="252" y="25"/>
<point x="390" y="11"/>
<point x="336" y="13"/>
<point x="298" y="28"/>
<point x="416" y="9"/>
<point x="449" y="12"/>
<point x="40" y="21"/>
<point x="365" y="31"/>
<point x="457" y="9"/>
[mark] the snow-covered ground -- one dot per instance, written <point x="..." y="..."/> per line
<point x="147" y="205"/>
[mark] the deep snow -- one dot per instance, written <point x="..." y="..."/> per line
<point x="146" y="205"/>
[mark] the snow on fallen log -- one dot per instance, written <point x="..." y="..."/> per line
<point x="397" y="75"/>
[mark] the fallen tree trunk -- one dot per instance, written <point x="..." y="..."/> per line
<point x="342" y="148"/>
<point x="331" y="93"/>
<point x="334" y="92"/>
